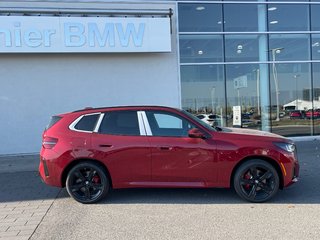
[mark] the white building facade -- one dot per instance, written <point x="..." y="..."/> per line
<point x="62" y="56"/>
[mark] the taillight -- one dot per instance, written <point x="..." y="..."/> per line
<point x="49" y="142"/>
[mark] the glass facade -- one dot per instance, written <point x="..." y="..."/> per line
<point x="263" y="56"/>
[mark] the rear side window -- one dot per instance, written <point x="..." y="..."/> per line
<point x="87" y="123"/>
<point x="120" y="123"/>
<point x="53" y="121"/>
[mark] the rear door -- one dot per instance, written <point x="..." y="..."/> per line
<point x="121" y="143"/>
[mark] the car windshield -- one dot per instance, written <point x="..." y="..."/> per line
<point x="202" y="123"/>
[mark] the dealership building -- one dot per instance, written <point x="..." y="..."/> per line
<point x="259" y="57"/>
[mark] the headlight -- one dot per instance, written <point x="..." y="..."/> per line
<point x="289" y="147"/>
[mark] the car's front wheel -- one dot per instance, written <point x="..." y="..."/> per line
<point x="87" y="182"/>
<point x="256" y="181"/>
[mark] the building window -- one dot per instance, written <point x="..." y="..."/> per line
<point x="290" y="47"/>
<point x="200" y="17"/>
<point x="290" y="90"/>
<point x="315" y="17"/>
<point x="244" y="89"/>
<point x="288" y="17"/>
<point x="201" y="48"/>
<point x="316" y="97"/>
<point x="203" y="89"/>
<point x="240" y="18"/>
<point x="315" y="47"/>
<point x="242" y="48"/>
<point x="264" y="58"/>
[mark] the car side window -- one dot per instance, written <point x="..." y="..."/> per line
<point x="120" y="123"/>
<point x="168" y="121"/>
<point x="165" y="124"/>
<point x="87" y="123"/>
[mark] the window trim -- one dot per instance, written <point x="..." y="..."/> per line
<point x="146" y="124"/>
<point x="141" y="123"/>
<point x="96" y="129"/>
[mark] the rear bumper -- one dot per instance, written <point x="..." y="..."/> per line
<point x="48" y="173"/>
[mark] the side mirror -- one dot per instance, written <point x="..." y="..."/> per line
<point x="196" y="133"/>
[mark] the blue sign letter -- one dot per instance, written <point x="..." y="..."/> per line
<point x="124" y="37"/>
<point x="73" y="35"/>
<point x="94" y="33"/>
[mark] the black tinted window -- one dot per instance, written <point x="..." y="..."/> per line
<point x="120" y="123"/>
<point x="53" y="121"/>
<point x="87" y="123"/>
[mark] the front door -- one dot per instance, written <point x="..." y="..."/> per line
<point x="177" y="159"/>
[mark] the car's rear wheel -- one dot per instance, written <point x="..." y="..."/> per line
<point x="256" y="181"/>
<point x="87" y="182"/>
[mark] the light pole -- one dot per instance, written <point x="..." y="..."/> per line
<point x="213" y="91"/>
<point x="275" y="51"/>
<point x="296" y="78"/>
<point x="258" y="89"/>
<point x="239" y="102"/>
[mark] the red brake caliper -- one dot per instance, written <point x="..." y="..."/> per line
<point x="96" y="179"/>
<point x="247" y="176"/>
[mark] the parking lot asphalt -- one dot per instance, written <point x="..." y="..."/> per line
<point x="31" y="210"/>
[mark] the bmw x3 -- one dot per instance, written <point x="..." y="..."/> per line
<point x="93" y="150"/>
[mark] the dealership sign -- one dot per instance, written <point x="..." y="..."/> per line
<point x="26" y="34"/>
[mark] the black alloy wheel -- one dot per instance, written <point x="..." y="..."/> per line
<point x="87" y="182"/>
<point x="256" y="181"/>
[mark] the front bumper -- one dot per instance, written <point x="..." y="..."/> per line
<point x="295" y="174"/>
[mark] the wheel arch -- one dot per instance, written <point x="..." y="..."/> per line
<point x="263" y="158"/>
<point x="81" y="160"/>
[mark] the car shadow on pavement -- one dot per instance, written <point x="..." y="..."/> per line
<point x="292" y="195"/>
<point x="27" y="186"/>
<point x="24" y="186"/>
<point x="296" y="194"/>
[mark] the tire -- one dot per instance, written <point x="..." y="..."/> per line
<point x="87" y="182"/>
<point x="256" y="181"/>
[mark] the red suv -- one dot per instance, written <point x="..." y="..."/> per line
<point x="313" y="113"/>
<point x="92" y="150"/>
<point x="297" y="114"/>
